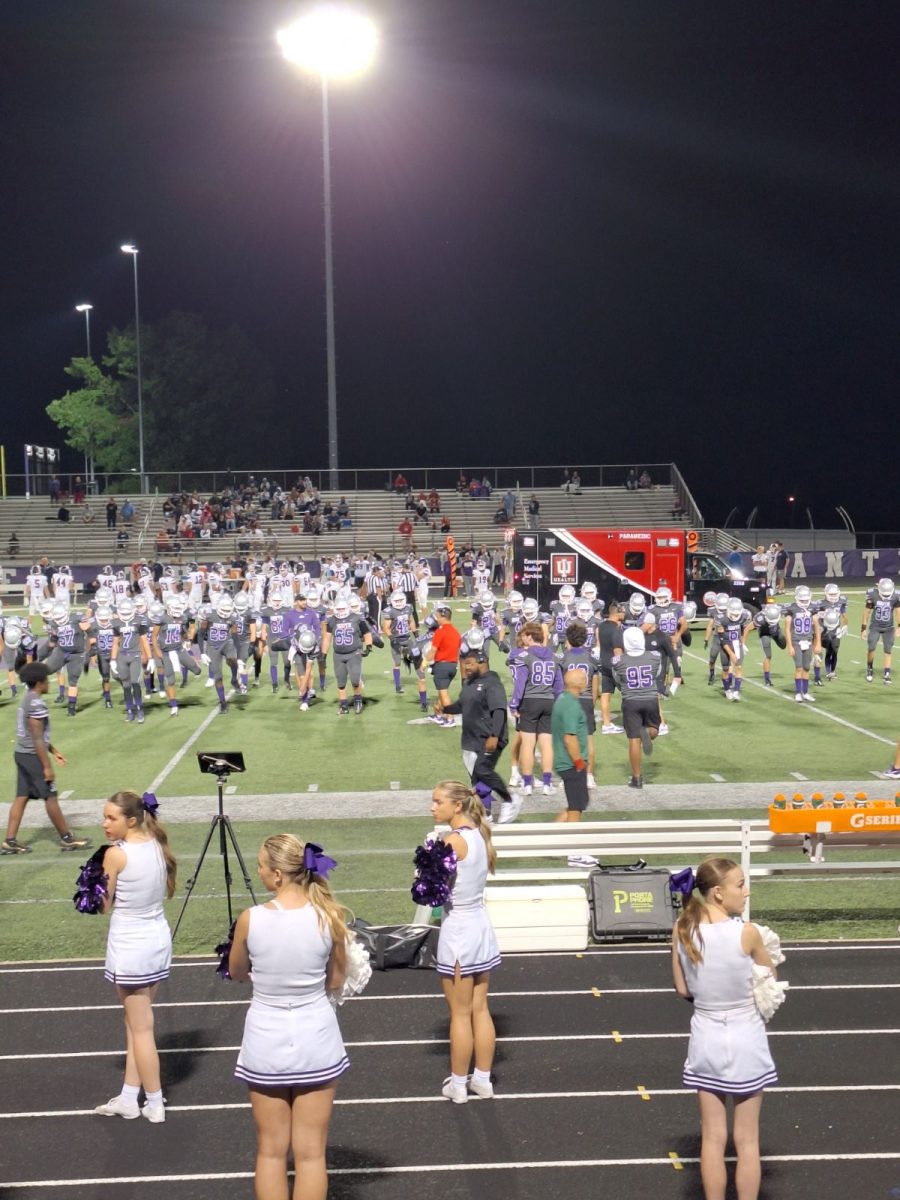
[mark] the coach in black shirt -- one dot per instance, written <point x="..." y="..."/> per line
<point x="483" y="704"/>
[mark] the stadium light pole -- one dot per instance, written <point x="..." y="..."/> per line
<point x="128" y="248"/>
<point x="86" y="309"/>
<point x="332" y="42"/>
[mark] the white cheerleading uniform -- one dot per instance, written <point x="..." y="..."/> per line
<point x="139" y="946"/>
<point x="467" y="936"/>
<point x="728" y="1052"/>
<point x="291" y="1035"/>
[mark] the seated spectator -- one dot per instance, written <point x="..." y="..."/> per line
<point x="421" y="510"/>
<point x="486" y="488"/>
<point x="405" y="529"/>
<point x="13" y="548"/>
<point x="400" y="483"/>
<point x="122" y="537"/>
<point x="63" y="513"/>
<point x="434" y="501"/>
<point x="163" y="545"/>
<point x="474" y="489"/>
<point x="445" y="524"/>
<point x="87" y="517"/>
<point x="410" y="502"/>
<point x="343" y="507"/>
<point x="205" y="533"/>
<point x="462" y="484"/>
<point x="645" y="482"/>
<point x="332" y="520"/>
<point x="127" y="512"/>
<point x="501" y="517"/>
<point x="575" y="483"/>
<point x="631" y="480"/>
<point x="566" y="484"/>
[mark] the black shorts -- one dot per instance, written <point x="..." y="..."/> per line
<point x="588" y="706"/>
<point x="30" y="779"/>
<point x="576" y="789"/>
<point x="639" y="713"/>
<point x="443" y="674"/>
<point x="607" y="682"/>
<point x="534" y="714"/>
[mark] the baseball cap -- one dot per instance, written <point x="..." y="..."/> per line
<point x="633" y="641"/>
<point x="444" y="608"/>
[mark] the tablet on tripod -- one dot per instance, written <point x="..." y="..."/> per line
<point x="229" y="762"/>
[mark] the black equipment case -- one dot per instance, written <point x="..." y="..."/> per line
<point x="629" y="905"/>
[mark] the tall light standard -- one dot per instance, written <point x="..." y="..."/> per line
<point x="86" y="309"/>
<point x="333" y="42"/>
<point x="133" y="251"/>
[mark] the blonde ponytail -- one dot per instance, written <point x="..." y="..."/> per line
<point x="710" y="874"/>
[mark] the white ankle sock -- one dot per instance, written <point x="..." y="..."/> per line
<point x="481" y="1076"/>
<point x="458" y="1080"/>
<point x="130" y="1093"/>
<point x="155" y="1097"/>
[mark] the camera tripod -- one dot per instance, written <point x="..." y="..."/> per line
<point x="222" y="766"/>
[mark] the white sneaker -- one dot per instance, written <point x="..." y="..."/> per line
<point x="210" y="683"/>
<point x="484" y="1090"/>
<point x="549" y="790"/>
<point x="673" y="687"/>
<point x="154" y="1113"/>
<point x="173" y="712"/>
<point x="808" y="699"/>
<point x="527" y="789"/>
<point x="612" y="729"/>
<point x="737" y="697"/>
<point x="729" y="695"/>
<point x="304" y="707"/>
<point x="457" y="1092"/>
<point x="515" y="778"/>
<point x="509" y="812"/>
<point x="663" y="729"/>
<point x="799" y="698"/>
<point x="117" y="1107"/>
<point x="592" y="782"/>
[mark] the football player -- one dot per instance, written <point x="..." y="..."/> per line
<point x="879" y="624"/>
<point x="537" y="681"/>
<point x="716" y="604"/>
<point x="831" y="631"/>
<point x="634" y="611"/>
<point x="562" y="613"/>
<point x="216" y="645"/>
<point x="67" y="643"/>
<point x="274" y="641"/>
<point x="484" y="617"/>
<point x="350" y="636"/>
<point x="733" y="630"/>
<point x="399" y="627"/>
<point x="636" y="670"/>
<point x="243" y="637"/>
<point x="577" y="656"/>
<point x="801" y="632"/>
<point x="35" y="590"/>
<point x="172" y="646"/>
<point x="767" y="623"/>
<point x="129" y="650"/>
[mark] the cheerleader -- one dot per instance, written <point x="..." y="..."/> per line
<point x="713" y="952"/>
<point x="141" y="874"/>
<point x="467" y="948"/>
<point x="291" y="1054"/>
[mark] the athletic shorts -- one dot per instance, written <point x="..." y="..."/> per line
<point x="576" y="789"/>
<point x="588" y="706"/>
<point x="348" y="665"/>
<point x="881" y="635"/>
<point x="30" y="779"/>
<point x="607" y="682"/>
<point x="641" y="712"/>
<point x="534" y="714"/>
<point x="443" y="674"/>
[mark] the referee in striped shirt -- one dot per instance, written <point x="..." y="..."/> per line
<point x="376" y="585"/>
<point x="405" y="582"/>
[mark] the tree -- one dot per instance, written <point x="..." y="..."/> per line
<point x="207" y="398"/>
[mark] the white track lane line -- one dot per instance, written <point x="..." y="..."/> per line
<point x="444" y="1168"/>
<point x="815" y="708"/>
<point x="626" y="1094"/>
<point x="179" y="754"/>
<point x="436" y="997"/>
<point x="540" y="1038"/>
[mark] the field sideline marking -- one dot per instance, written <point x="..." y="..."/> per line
<point x="826" y="945"/>
<point x="822" y="712"/>
<point x="523" y="1040"/>
<point x="444" y="1167"/>
<point x="626" y="1093"/>
<point x="179" y="754"/>
<point x="436" y="996"/>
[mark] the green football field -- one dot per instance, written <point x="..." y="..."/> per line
<point x="847" y="736"/>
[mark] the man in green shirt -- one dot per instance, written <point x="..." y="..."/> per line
<point x="568" y="726"/>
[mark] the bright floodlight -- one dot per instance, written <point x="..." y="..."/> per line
<point x="129" y="249"/>
<point x="83" y="307"/>
<point x="332" y="41"/>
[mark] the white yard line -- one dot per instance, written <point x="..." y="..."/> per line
<point x="179" y="754"/>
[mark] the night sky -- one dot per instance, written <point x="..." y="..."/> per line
<point x="565" y="232"/>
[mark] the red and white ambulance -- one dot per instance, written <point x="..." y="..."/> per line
<point x="623" y="561"/>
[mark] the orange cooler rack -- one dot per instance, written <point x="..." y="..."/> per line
<point x="876" y="816"/>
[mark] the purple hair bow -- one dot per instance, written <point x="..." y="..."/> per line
<point x="682" y="881"/>
<point x="314" y="859"/>
<point x="151" y="804"/>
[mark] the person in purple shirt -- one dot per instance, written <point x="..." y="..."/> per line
<point x="537" y="681"/>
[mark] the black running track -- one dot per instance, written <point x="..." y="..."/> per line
<point x="588" y="1073"/>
